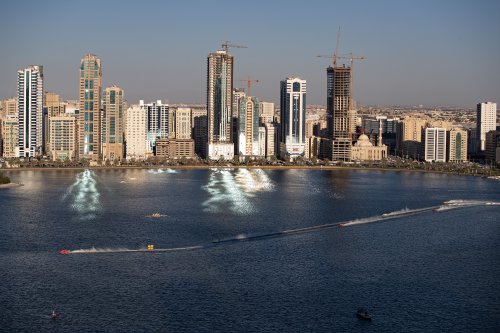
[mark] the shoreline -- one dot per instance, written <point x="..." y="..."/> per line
<point x="269" y="167"/>
<point x="10" y="185"/>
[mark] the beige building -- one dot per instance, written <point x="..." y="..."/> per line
<point x="457" y="145"/>
<point x="136" y="133"/>
<point x="266" y="112"/>
<point x="364" y="150"/>
<point x="183" y="124"/>
<point x="175" y="149"/>
<point x="63" y="137"/>
<point x="270" y="140"/>
<point x="89" y="131"/>
<point x="113" y="124"/>
<point x="10" y="135"/>
<point x="409" y="136"/>
<point x="10" y="107"/>
<point x="54" y="109"/>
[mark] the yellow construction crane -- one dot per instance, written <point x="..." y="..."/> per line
<point x="249" y="84"/>
<point x="227" y="44"/>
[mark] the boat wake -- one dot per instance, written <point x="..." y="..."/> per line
<point x="448" y="205"/>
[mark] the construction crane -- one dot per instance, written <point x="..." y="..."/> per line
<point x="227" y="44"/>
<point x="249" y="84"/>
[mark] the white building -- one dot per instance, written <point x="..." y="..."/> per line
<point x="30" y="110"/>
<point x="157" y="123"/>
<point x="293" y="117"/>
<point x="486" y="121"/>
<point x="435" y="144"/>
<point x="136" y="134"/>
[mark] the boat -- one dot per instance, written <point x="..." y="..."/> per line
<point x="340" y="225"/>
<point x="64" y="252"/>
<point x="154" y="215"/>
<point x="363" y="314"/>
<point x="53" y="315"/>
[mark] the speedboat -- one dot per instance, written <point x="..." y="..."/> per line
<point x="363" y="314"/>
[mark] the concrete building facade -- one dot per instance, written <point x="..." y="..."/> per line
<point x="136" y="133"/>
<point x="62" y="135"/>
<point x="293" y="117"/>
<point x="90" y="108"/>
<point x="219" y="105"/>
<point x="30" y="110"/>
<point x="435" y="144"/>
<point x="486" y="121"/>
<point x="457" y="145"/>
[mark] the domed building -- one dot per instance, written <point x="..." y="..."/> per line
<point x="364" y="150"/>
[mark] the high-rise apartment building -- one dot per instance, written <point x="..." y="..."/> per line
<point x="62" y="135"/>
<point x="457" y="145"/>
<point x="52" y="108"/>
<point x="90" y="108"/>
<point x="219" y="105"/>
<point x="183" y="127"/>
<point x="200" y="130"/>
<point x="30" y="110"/>
<point x="486" y="121"/>
<point x="10" y="135"/>
<point x="10" y="107"/>
<point x="266" y="112"/>
<point x="270" y="140"/>
<point x="409" y="136"/>
<point x="248" y="127"/>
<point x="112" y="137"/>
<point x="157" y="121"/>
<point x="293" y="117"/>
<point x="136" y="133"/>
<point x="435" y="144"/>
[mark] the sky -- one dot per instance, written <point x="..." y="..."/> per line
<point x="424" y="52"/>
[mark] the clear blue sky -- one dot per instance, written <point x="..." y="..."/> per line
<point x="418" y="52"/>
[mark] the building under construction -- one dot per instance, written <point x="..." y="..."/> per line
<point x="341" y="113"/>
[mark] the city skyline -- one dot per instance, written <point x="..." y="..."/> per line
<point x="430" y="54"/>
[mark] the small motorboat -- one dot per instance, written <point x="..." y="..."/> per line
<point x="53" y="315"/>
<point x="64" y="252"/>
<point x="363" y="314"/>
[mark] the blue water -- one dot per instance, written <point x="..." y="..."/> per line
<point x="427" y="272"/>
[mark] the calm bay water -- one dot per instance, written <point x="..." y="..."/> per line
<point x="426" y="272"/>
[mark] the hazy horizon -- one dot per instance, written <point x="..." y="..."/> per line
<point x="423" y="53"/>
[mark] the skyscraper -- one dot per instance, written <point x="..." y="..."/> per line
<point x="90" y="108"/>
<point x="219" y="105"/>
<point x="486" y="121"/>
<point x="340" y="111"/>
<point x="293" y="117"/>
<point x="113" y="124"/>
<point x="248" y="127"/>
<point x="30" y="110"/>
